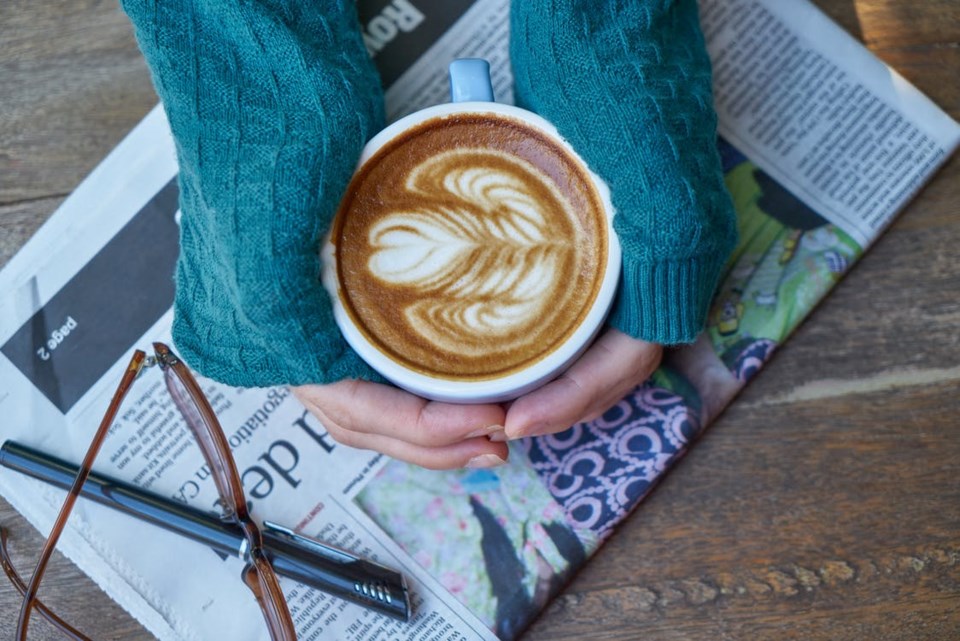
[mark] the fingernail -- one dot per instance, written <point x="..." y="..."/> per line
<point x="485" y="431"/>
<point x="498" y="437"/>
<point x="484" y="461"/>
<point x="528" y="430"/>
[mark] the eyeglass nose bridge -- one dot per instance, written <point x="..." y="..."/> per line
<point x="150" y="361"/>
<point x="164" y="356"/>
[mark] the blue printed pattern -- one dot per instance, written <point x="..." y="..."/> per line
<point x="599" y="471"/>
<point x="751" y="360"/>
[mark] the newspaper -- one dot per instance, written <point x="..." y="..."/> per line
<point x="822" y="145"/>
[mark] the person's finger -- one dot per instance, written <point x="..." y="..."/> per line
<point x="477" y="452"/>
<point x="473" y="453"/>
<point x="384" y="410"/>
<point x="610" y="368"/>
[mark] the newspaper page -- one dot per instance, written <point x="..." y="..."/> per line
<point x="104" y="282"/>
<point x="821" y="145"/>
<point x="821" y="114"/>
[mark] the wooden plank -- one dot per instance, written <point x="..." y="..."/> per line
<point x="74" y="83"/>
<point x="20" y="221"/>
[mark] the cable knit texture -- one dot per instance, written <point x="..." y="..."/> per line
<point x="270" y="103"/>
<point x="628" y="84"/>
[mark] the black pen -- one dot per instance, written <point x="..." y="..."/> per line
<point x="303" y="559"/>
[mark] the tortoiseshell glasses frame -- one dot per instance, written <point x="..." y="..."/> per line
<point x="258" y="574"/>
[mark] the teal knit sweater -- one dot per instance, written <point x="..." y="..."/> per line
<point x="628" y="84"/>
<point x="270" y="103"/>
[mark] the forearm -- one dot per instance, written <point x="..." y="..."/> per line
<point x="634" y="85"/>
<point x="270" y="104"/>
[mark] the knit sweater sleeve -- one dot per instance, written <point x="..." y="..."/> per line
<point x="630" y="87"/>
<point x="269" y="104"/>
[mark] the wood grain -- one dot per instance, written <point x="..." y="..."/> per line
<point x="823" y="504"/>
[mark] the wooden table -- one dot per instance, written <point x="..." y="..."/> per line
<point x="825" y="502"/>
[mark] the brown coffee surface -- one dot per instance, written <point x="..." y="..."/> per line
<point x="470" y="247"/>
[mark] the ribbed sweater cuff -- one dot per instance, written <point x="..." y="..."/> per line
<point x="666" y="302"/>
<point x="327" y="359"/>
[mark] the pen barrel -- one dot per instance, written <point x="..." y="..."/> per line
<point x="306" y="560"/>
<point x="182" y="519"/>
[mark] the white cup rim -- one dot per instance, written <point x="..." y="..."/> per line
<point x="516" y="383"/>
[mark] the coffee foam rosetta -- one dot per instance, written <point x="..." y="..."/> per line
<point x="483" y="253"/>
<point x="469" y="247"/>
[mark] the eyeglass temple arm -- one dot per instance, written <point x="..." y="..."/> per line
<point x="38" y="605"/>
<point x="295" y="556"/>
<point x="30" y="595"/>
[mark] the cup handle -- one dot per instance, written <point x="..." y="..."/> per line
<point x="470" y="80"/>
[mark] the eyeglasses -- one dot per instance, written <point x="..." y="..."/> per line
<point x="258" y="574"/>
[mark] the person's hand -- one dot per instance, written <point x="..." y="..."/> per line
<point x="448" y="436"/>
<point x="611" y="367"/>
<point x="406" y="427"/>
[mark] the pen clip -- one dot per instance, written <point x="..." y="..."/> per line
<point x="329" y="552"/>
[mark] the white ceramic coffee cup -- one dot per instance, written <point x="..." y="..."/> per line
<point x="472" y="94"/>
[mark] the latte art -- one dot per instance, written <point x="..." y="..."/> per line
<point x="481" y="250"/>
<point x="470" y="247"/>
